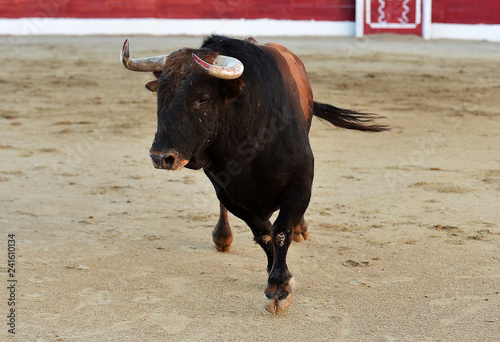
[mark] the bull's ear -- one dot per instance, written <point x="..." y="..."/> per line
<point x="152" y="86"/>
<point x="232" y="89"/>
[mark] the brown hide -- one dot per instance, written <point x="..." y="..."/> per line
<point x="295" y="77"/>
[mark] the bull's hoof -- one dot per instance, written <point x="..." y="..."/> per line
<point x="300" y="231"/>
<point x="278" y="297"/>
<point x="278" y="306"/>
<point x="223" y="243"/>
<point x="224" y="248"/>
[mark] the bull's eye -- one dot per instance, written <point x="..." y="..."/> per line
<point x="201" y="103"/>
<point x="204" y="99"/>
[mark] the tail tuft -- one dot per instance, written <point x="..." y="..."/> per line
<point x="347" y="118"/>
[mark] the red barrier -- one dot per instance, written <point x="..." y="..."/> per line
<point x="443" y="11"/>
<point x="332" y="10"/>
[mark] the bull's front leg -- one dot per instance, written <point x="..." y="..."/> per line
<point x="222" y="235"/>
<point x="281" y="283"/>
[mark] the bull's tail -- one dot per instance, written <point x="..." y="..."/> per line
<point x="347" y="118"/>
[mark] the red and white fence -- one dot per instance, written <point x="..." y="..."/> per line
<point x="466" y="19"/>
<point x="463" y="19"/>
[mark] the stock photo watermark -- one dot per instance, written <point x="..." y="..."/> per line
<point x="12" y="283"/>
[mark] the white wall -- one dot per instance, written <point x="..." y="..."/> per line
<point x="237" y="27"/>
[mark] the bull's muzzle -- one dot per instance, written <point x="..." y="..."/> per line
<point x="170" y="160"/>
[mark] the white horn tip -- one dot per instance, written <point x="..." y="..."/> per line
<point x="224" y="67"/>
<point x="125" y="54"/>
<point x="125" y="45"/>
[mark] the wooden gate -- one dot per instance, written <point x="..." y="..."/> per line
<point x="392" y="16"/>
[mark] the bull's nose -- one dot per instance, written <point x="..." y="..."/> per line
<point x="167" y="161"/>
<point x="163" y="160"/>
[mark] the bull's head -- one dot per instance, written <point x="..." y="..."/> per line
<point x="194" y="91"/>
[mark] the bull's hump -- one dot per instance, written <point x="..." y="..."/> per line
<point x="298" y="75"/>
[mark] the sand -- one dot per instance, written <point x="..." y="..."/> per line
<point x="405" y="231"/>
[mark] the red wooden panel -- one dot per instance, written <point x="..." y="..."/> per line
<point x="466" y="11"/>
<point x="347" y="3"/>
<point x="333" y="10"/>
<point x="184" y="9"/>
<point x="31" y="8"/>
<point x="266" y="3"/>
<point x="85" y="9"/>
<point x="256" y="11"/>
<point x="50" y="8"/>
<point x="329" y="3"/>
<point x="438" y="10"/>
<point x="9" y="9"/>
<point x="231" y="9"/>
<point x="132" y="9"/>
<point x="275" y="9"/>
<point x="346" y="13"/>
<point x="316" y="13"/>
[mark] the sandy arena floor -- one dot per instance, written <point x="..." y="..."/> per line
<point x="405" y="229"/>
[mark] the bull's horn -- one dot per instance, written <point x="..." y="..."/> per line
<point x="224" y="67"/>
<point x="156" y="63"/>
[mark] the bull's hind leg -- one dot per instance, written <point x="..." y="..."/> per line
<point x="222" y="235"/>
<point x="300" y="231"/>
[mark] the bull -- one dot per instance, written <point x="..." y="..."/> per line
<point x="241" y="111"/>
